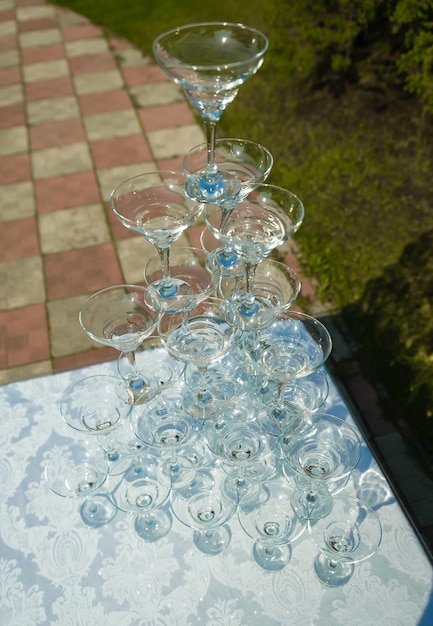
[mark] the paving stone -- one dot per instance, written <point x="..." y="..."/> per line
<point x="35" y="12"/>
<point x="9" y="27"/>
<point x="11" y="94"/>
<point x="40" y="38"/>
<point x="73" y="228"/>
<point x="61" y="160"/>
<point x="13" y="140"/>
<point x="22" y="283"/>
<point x="51" y="109"/>
<point x="110" y="177"/>
<point x="109" y="125"/>
<point x="25" y="372"/>
<point x="98" y="82"/>
<point x="167" y="143"/>
<point x="45" y="70"/>
<point x="95" y="45"/>
<point x="17" y="201"/>
<point x="156" y="94"/>
<point x="9" y="57"/>
<point x="67" y="336"/>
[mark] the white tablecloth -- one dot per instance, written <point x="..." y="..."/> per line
<point x="55" y="570"/>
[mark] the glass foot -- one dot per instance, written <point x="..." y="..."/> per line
<point x="331" y="572"/>
<point x="97" y="511"/>
<point x="154" y="525"/>
<point x="204" y="188"/>
<point x="310" y="506"/>
<point x="271" y="557"/>
<point x="212" y="541"/>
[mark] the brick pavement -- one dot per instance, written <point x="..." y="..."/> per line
<point x="80" y="111"/>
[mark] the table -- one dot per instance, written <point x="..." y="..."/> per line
<point x="55" y="570"/>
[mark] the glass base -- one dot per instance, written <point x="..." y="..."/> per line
<point x="271" y="557"/>
<point x="283" y="419"/>
<point x="154" y="525"/>
<point x="212" y="541"/>
<point x="202" y="404"/>
<point x="251" y="313"/>
<point x="331" y="572"/>
<point x="225" y="263"/>
<point x="204" y="188"/>
<point x="170" y="295"/>
<point x="97" y="511"/>
<point x="309" y="505"/>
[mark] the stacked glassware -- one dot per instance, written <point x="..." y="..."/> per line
<point x="215" y="412"/>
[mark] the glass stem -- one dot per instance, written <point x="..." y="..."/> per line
<point x="211" y="169"/>
<point x="250" y="272"/>
<point x="164" y="257"/>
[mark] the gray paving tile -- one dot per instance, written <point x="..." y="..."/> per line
<point x="5" y="5"/>
<point x="113" y="176"/>
<point x="13" y="140"/>
<point x="17" y="201"/>
<point x="11" y="94"/>
<point x="45" y="71"/>
<point x="156" y="94"/>
<point x="67" y="336"/>
<point x="25" y="372"/>
<point x="108" y="125"/>
<point x="61" y="160"/>
<point x="133" y="58"/>
<point x="45" y="37"/>
<point x="80" y="47"/>
<point x="9" y="58"/>
<point x="52" y="109"/>
<point x="73" y="228"/>
<point x="171" y="142"/>
<point x="22" y="283"/>
<point x="8" y="28"/>
<point x="72" y="19"/>
<point x="98" y="82"/>
<point x="35" y="12"/>
<point x="135" y="252"/>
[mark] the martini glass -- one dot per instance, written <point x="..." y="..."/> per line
<point x="264" y="220"/>
<point x="294" y="346"/>
<point x="142" y="491"/>
<point x="351" y="532"/>
<point x="210" y="61"/>
<point x="247" y="161"/>
<point x="201" y="336"/>
<point x="273" y="525"/>
<point x="119" y="317"/>
<point x="155" y="206"/>
<point x="321" y="456"/>
<point x="205" y="508"/>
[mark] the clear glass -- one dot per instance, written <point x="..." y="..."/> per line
<point x="155" y="205"/>
<point x="119" y="317"/>
<point x="210" y="61"/>
<point x="351" y="532"/>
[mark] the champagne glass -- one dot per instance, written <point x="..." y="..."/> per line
<point x="261" y="222"/>
<point x="204" y="507"/>
<point x="201" y="336"/>
<point x="155" y="205"/>
<point x="247" y="161"/>
<point x="76" y="469"/>
<point x="322" y="454"/>
<point x="293" y="347"/>
<point x="165" y="426"/>
<point x="119" y="317"/>
<point x="142" y="491"/>
<point x="273" y="525"/>
<point x="275" y="288"/>
<point x="351" y="532"/>
<point x="211" y="60"/>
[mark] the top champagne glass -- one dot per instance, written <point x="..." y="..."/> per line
<point x="211" y="60"/>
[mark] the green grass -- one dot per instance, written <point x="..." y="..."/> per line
<point x="361" y="161"/>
